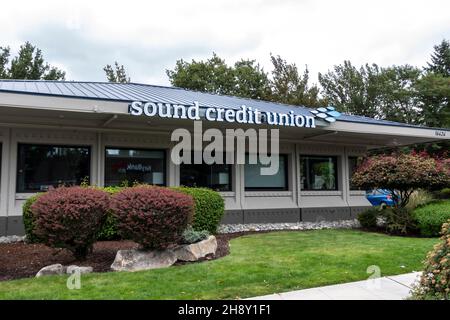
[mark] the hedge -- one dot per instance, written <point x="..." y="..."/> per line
<point x="28" y="220"/>
<point x="431" y="217"/>
<point x="209" y="208"/>
<point x="208" y="211"/>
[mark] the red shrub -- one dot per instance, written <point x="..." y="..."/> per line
<point x="154" y="217"/>
<point x="70" y="217"/>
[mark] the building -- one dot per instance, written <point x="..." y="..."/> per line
<point x="55" y="132"/>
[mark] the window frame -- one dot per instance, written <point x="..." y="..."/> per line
<point x="164" y="151"/>
<point x="336" y="176"/>
<point x="286" y="178"/>
<point x="350" y="173"/>
<point x="19" y="144"/>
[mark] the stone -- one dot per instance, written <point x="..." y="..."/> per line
<point x="71" y="269"/>
<point x="51" y="270"/>
<point x="11" y="239"/>
<point x="135" y="260"/>
<point x="195" y="251"/>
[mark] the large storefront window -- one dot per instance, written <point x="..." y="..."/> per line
<point x="213" y="176"/>
<point x="353" y="163"/>
<point x="254" y="180"/>
<point x="318" y="173"/>
<point x="40" y="167"/>
<point x="128" y="166"/>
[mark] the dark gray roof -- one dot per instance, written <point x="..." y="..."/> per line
<point x="128" y="92"/>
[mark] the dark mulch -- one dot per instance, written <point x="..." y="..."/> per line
<point x="22" y="260"/>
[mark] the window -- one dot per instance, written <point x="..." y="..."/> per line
<point x="255" y="181"/>
<point x="353" y="163"/>
<point x="40" y="167"/>
<point x="213" y="176"/>
<point x="123" y="165"/>
<point x="318" y="173"/>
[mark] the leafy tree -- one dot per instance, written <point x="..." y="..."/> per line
<point x="212" y="75"/>
<point x="116" y="74"/>
<point x="433" y="91"/>
<point x="250" y="80"/>
<point x="351" y="90"/>
<point x="440" y="59"/>
<point x="402" y="174"/>
<point x="28" y="64"/>
<point x="288" y="86"/>
<point x="396" y="95"/>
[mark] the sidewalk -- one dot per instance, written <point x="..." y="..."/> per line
<point x="384" y="288"/>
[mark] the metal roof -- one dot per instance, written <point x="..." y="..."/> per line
<point x="127" y="92"/>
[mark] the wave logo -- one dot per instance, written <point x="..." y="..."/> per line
<point x="329" y="114"/>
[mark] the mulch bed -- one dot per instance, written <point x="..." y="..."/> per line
<point x="22" y="260"/>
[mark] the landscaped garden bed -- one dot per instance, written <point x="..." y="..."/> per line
<point x="22" y="260"/>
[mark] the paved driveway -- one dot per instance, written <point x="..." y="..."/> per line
<point x="384" y="288"/>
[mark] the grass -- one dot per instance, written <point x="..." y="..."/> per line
<point x="258" y="264"/>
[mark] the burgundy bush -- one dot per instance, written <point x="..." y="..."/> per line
<point x="154" y="217"/>
<point x="70" y="217"/>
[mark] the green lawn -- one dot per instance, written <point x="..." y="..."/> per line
<point x="258" y="264"/>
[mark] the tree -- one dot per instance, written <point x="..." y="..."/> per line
<point x="250" y="80"/>
<point x="288" y="86"/>
<point x="212" y="75"/>
<point x="351" y="90"/>
<point x="116" y="74"/>
<point x="396" y="94"/>
<point x="246" y="79"/>
<point x="402" y="174"/>
<point x="28" y="64"/>
<point x="440" y="59"/>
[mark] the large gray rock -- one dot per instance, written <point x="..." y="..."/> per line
<point x="135" y="260"/>
<point x="195" y="251"/>
<point x="82" y="270"/>
<point x="51" y="270"/>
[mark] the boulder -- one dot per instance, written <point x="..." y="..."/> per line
<point x="195" y="251"/>
<point x="71" y="269"/>
<point x="135" y="260"/>
<point x="51" y="270"/>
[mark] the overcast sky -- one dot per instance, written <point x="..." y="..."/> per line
<point x="149" y="36"/>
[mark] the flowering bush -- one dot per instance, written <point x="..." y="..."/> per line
<point x="70" y="217"/>
<point x="154" y="217"/>
<point x="435" y="280"/>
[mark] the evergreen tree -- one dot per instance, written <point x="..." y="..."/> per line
<point x="28" y="64"/>
<point x="440" y="59"/>
<point x="116" y="74"/>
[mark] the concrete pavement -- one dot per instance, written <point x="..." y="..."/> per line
<point x="384" y="288"/>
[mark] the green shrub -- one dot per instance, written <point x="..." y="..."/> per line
<point x="442" y="194"/>
<point x="209" y="208"/>
<point x="368" y="218"/>
<point x="192" y="236"/>
<point x="109" y="229"/>
<point x="399" y="220"/>
<point x="434" y="282"/>
<point x="431" y="217"/>
<point x="28" y="220"/>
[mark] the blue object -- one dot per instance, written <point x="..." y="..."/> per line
<point x="378" y="197"/>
